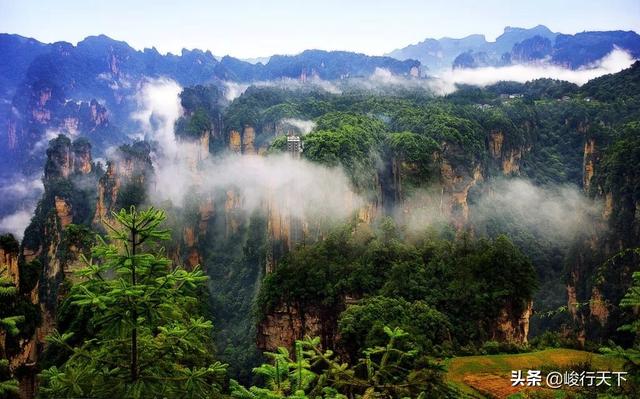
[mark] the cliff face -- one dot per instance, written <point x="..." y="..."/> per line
<point x="288" y="323"/>
<point x="124" y="182"/>
<point x="456" y="178"/>
<point x="108" y="189"/>
<point x="596" y="282"/>
<point x="67" y="164"/>
<point x="59" y="230"/>
<point x="21" y="352"/>
<point x="285" y="230"/>
<point x="243" y="142"/>
<point x="512" y="325"/>
<point x="456" y="183"/>
<point x="194" y="234"/>
<point x="248" y="140"/>
<point x="590" y="159"/>
<point x="42" y="107"/>
<point x="235" y="142"/>
<point x="505" y="156"/>
<point x="9" y="264"/>
<point x="285" y="325"/>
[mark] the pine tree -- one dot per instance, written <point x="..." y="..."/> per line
<point x="383" y="372"/>
<point x="8" y="325"/>
<point x="148" y="339"/>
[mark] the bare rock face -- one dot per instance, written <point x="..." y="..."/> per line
<point x="572" y="299"/>
<point x="203" y="145"/>
<point x="190" y="241"/>
<point x="608" y="206"/>
<point x="285" y="325"/>
<point x="194" y="233"/>
<point x="581" y="290"/>
<point x="598" y="306"/>
<point x="65" y="159"/>
<point x="70" y="125"/>
<point x="24" y="353"/>
<point x="456" y="183"/>
<point x="235" y="142"/>
<point x="512" y="324"/>
<point x="40" y="112"/>
<point x="496" y="139"/>
<point x="9" y="264"/>
<point x="503" y="155"/>
<point x="59" y="160"/>
<point x="243" y="143"/>
<point x="195" y="150"/>
<point x="63" y="212"/>
<point x="98" y="114"/>
<point x="82" y="162"/>
<point x="108" y="189"/>
<point x="588" y="165"/>
<point x="248" y="140"/>
<point x="511" y="162"/>
<point x="232" y="208"/>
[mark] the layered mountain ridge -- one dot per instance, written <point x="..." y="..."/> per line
<point x="518" y="45"/>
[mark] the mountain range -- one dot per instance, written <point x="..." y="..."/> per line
<point x="517" y="45"/>
<point x="90" y="89"/>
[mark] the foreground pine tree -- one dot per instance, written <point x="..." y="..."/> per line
<point x="148" y="340"/>
<point x="313" y="373"/>
<point x="8" y="325"/>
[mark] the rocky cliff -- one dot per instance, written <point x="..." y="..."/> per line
<point x="78" y="195"/>
<point x="289" y="322"/>
<point x="599" y="272"/>
<point x="20" y="350"/>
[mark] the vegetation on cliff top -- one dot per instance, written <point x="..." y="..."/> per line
<point x="459" y="286"/>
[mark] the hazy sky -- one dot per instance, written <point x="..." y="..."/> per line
<point x="252" y="28"/>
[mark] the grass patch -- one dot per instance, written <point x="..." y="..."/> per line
<point x="489" y="375"/>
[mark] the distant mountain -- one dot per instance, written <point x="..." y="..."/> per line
<point x="89" y="89"/>
<point x="16" y="54"/>
<point x="511" y="36"/>
<point x="256" y="60"/>
<point x="586" y="47"/>
<point x="439" y="54"/>
<point x="517" y="45"/>
<point x="328" y="65"/>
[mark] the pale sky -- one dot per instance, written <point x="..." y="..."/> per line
<point x="252" y="28"/>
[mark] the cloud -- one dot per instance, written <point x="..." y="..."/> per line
<point x="382" y="80"/>
<point x="298" y="187"/>
<point x="41" y="145"/>
<point x="19" y="187"/>
<point x="303" y="126"/>
<point x="614" y="62"/>
<point x="559" y="212"/>
<point x="16" y="223"/>
<point x="19" y="195"/>
<point x="233" y="90"/>
<point x="307" y="189"/>
<point x="183" y="168"/>
<point x="158" y="109"/>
